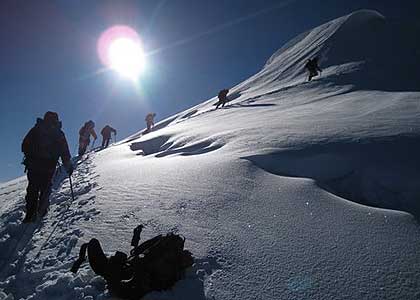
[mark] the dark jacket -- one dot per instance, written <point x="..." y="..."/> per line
<point x="312" y="65"/>
<point x="150" y="118"/>
<point x="106" y="131"/>
<point x="44" y="144"/>
<point x="223" y="95"/>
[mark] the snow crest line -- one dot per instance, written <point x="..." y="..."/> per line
<point x="357" y="171"/>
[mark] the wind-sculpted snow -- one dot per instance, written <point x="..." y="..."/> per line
<point x="152" y="145"/>
<point x="376" y="173"/>
<point x="157" y="126"/>
<point x="293" y="190"/>
<point x="292" y="236"/>
<point x="164" y="145"/>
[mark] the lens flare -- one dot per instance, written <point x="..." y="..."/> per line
<point x="126" y="57"/>
<point x="120" y="49"/>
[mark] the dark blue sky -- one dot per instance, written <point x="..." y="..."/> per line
<point x="48" y="57"/>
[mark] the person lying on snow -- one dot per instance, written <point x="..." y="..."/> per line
<point x="154" y="265"/>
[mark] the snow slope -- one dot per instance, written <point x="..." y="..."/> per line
<point x="294" y="190"/>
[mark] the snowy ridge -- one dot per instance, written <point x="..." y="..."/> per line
<point x="356" y="50"/>
<point x="363" y="40"/>
<point x="294" y="190"/>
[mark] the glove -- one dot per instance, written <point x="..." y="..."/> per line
<point x="69" y="168"/>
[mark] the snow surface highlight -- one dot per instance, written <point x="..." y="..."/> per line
<point x="294" y="190"/>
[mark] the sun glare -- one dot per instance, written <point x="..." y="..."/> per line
<point x="126" y="57"/>
<point x="120" y="49"/>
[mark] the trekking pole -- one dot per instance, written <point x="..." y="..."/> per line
<point x="71" y="188"/>
<point x="59" y="221"/>
<point x="93" y="145"/>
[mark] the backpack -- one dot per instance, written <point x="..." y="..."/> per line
<point x="163" y="263"/>
<point x="84" y="133"/>
<point x="41" y="146"/>
<point x="156" y="264"/>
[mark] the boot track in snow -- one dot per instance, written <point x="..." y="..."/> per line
<point x="29" y="251"/>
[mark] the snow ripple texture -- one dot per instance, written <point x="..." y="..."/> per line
<point x="293" y="190"/>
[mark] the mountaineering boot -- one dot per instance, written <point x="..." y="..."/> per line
<point x="31" y="208"/>
<point x="43" y="209"/>
<point x="30" y="217"/>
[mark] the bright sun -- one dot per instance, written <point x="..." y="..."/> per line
<point x="126" y="57"/>
<point x="119" y="49"/>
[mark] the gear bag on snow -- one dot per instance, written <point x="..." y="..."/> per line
<point x="154" y="265"/>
